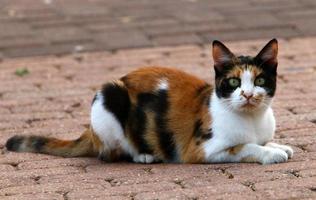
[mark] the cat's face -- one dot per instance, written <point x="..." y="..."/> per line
<point x="245" y="83"/>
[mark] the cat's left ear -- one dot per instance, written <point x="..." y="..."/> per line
<point x="267" y="57"/>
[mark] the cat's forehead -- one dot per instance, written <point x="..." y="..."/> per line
<point x="244" y="64"/>
<point x="239" y="70"/>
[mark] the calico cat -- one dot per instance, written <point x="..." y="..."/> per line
<point x="157" y="114"/>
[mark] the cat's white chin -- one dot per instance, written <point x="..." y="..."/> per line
<point x="250" y="106"/>
<point x="247" y="108"/>
<point x="254" y="107"/>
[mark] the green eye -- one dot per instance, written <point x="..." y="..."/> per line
<point x="260" y="81"/>
<point x="234" y="82"/>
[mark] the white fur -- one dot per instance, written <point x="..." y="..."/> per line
<point x="232" y="125"/>
<point x="285" y="148"/>
<point x="163" y="85"/>
<point x="108" y="128"/>
<point x="143" y="158"/>
<point x="247" y="83"/>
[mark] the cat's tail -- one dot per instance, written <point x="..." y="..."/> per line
<point x="86" y="145"/>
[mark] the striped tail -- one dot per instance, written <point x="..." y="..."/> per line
<point x="86" y="145"/>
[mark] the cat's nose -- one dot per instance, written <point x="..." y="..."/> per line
<point x="246" y="95"/>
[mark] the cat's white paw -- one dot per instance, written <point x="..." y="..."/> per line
<point x="285" y="148"/>
<point x="288" y="150"/>
<point x="274" y="155"/>
<point x="144" y="158"/>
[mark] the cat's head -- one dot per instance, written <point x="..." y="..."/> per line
<point x="245" y="83"/>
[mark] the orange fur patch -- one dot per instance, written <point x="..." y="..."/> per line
<point x="255" y="71"/>
<point x="235" y="150"/>
<point x="236" y="72"/>
<point x="87" y="145"/>
<point x="249" y="159"/>
<point x="239" y="69"/>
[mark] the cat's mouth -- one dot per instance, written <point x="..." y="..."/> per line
<point x="250" y="104"/>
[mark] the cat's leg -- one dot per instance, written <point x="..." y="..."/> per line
<point x="249" y="153"/>
<point x="107" y="125"/>
<point x="285" y="148"/>
<point x="144" y="158"/>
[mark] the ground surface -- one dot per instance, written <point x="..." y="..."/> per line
<point x="41" y="27"/>
<point x="54" y="99"/>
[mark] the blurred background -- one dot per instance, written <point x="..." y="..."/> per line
<point x="46" y="27"/>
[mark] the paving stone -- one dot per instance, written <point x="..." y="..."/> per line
<point x="286" y="32"/>
<point x="177" y="39"/>
<point x="39" y="196"/>
<point x="40" y="172"/>
<point x="47" y="188"/>
<point x="119" y="39"/>
<point x="54" y="100"/>
<point x="42" y="164"/>
<point x="122" y="190"/>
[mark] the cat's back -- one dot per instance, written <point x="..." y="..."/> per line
<point x="149" y="79"/>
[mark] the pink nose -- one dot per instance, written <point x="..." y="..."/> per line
<point x="247" y="96"/>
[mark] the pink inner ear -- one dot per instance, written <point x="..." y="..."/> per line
<point x="217" y="55"/>
<point x="271" y="53"/>
<point x="221" y="54"/>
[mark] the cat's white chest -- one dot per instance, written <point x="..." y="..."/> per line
<point x="237" y="128"/>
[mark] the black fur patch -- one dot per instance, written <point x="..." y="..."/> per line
<point x="199" y="134"/>
<point x="117" y="101"/>
<point x="126" y="158"/>
<point x="13" y="144"/>
<point x="137" y="126"/>
<point x="222" y="88"/>
<point x="208" y="135"/>
<point x="37" y="142"/>
<point x="156" y="103"/>
<point x="166" y="141"/>
<point x="270" y="83"/>
<point x="269" y="74"/>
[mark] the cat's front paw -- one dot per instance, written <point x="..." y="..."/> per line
<point x="274" y="155"/>
<point x="288" y="150"/>
<point x="144" y="158"/>
<point x="285" y="148"/>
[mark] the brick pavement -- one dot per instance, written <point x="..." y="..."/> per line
<point x="42" y="27"/>
<point x="54" y="99"/>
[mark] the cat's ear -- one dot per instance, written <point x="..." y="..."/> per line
<point x="267" y="57"/>
<point x="221" y="55"/>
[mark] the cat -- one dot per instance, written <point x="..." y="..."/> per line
<point x="158" y="114"/>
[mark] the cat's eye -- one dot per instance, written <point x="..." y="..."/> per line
<point x="234" y="82"/>
<point x="260" y="81"/>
